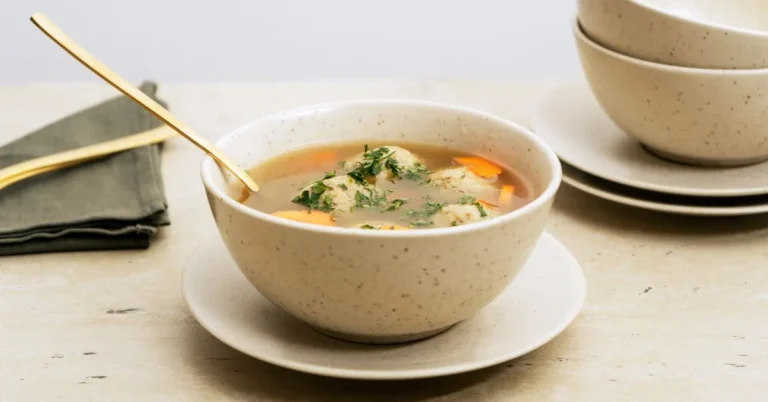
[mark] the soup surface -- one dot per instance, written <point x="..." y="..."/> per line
<point x="392" y="186"/>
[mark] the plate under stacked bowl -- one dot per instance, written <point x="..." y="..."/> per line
<point x="601" y="159"/>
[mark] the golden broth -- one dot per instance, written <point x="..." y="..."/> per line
<point x="282" y="179"/>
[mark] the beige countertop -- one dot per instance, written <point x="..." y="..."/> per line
<point x="677" y="308"/>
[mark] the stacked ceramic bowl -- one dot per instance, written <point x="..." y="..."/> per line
<point x="688" y="80"/>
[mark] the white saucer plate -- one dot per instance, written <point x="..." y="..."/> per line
<point x="571" y="121"/>
<point x="540" y="303"/>
<point x="669" y="203"/>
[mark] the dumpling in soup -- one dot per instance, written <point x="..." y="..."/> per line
<point x="389" y="162"/>
<point x="335" y="194"/>
<point x="461" y="214"/>
<point x="463" y="180"/>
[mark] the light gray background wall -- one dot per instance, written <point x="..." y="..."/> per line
<point x="229" y="40"/>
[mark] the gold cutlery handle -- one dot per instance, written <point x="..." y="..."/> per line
<point x="100" y="69"/>
<point x="48" y="163"/>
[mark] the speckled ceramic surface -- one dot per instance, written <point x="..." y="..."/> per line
<point x="673" y="204"/>
<point x="545" y="298"/>
<point x="377" y="286"/>
<point x="691" y="33"/>
<point x="571" y="121"/>
<point x="706" y="117"/>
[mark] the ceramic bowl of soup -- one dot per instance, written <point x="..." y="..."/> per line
<point x="689" y="33"/>
<point x="695" y="116"/>
<point x="383" y="221"/>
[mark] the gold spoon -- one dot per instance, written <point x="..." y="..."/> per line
<point x="139" y="97"/>
<point x="49" y="163"/>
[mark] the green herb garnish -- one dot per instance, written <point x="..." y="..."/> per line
<point x="373" y="163"/>
<point x="416" y="172"/>
<point x="420" y="223"/>
<point x="427" y="209"/>
<point x="394" y="167"/>
<point x="467" y="200"/>
<point x="312" y="199"/>
<point x="480" y="208"/>
<point x="396" y="204"/>
<point x="372" y="199"/>
<point x="315" y="197"/>
<point x="367" y="227"/>
<point x="470" y="200"/>
<point x="358" y="177"/>
<point x="431" y="208"/>
<point x="343" y="187"/>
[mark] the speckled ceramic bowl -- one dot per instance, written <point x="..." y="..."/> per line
<point x="382" y="286"/>
<point x="727" y="34"/>
<point x="690" y="115"/>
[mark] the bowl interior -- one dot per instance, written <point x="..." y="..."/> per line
<point x="396" y="120"/>
<point x="746" y="14"/>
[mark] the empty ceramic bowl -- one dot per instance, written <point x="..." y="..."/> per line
<point x="702" y="33"/>
<point x="382" y="286"/>
<point x="690" y="115"/>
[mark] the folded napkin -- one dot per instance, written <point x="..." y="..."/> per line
<point x="115" y="202"/>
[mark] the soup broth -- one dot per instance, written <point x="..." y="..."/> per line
<point x="385" y="186"/>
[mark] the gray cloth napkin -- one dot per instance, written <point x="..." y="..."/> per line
<point x="112" y="203"/>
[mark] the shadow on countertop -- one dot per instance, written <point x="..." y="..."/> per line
<point x="595" y="211"/>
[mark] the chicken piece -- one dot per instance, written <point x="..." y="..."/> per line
<point x="405" y="161"/>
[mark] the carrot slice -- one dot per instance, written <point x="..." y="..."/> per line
<point x="317" y="160"/>
<point x="315" y="217"/>
<point x="478" y="166"/>
<point x="506" y="194"/>
<point x="325" y="157"/>
<point x="487" y="204"/>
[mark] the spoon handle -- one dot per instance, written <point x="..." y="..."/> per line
<point x="100" y="69"/>
<point x="48" y="163"/>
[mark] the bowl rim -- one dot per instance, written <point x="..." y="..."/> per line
<point x="581" y="36"/>
<point x="701" y="23"/>
<point x="208" y="165"/>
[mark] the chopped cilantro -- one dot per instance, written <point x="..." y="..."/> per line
<point x="396" y="204"/>
<point x="470" y="200"/>
<point x="455" y="223"/>
<point x="371" y="199"/>
<point x="343" y="186"/>
<point x="327" y="203"/>
<point x="480" y="208"/>
<point x="467" y="199"/>
<point x="313" y="197"/>
<point x="394" y="167"/>
<point x="358" y="177"/>
<point x="373" y="163"/>
<point x="366" y="226"/>
<point x="416" y="172"/>
<point x="431" y="208"/>
<point x="427" y="209"/>
<point x="420" y="223"/>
